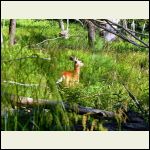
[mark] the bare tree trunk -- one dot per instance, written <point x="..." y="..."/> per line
<point x="143" y="29"/>
<point x="64" y="33"/>
<point x="133" y="27"/>
<point x="125" y="25"/>
<point x="12" y="31"/>
<point x="61" y="24"/>
<point x="91" y="33"/>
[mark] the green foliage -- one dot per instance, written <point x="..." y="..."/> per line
<point x="106" y="67"/>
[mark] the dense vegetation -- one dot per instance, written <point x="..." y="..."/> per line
<point x="107" y="66"/>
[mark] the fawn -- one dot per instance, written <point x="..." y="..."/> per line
<point x="71" y="77"/>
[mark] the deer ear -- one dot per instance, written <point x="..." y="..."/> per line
<point x="75" y="59"/>
<point x="71" y="58"/>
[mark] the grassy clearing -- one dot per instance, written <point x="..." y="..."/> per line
<point x="106" y="67"/>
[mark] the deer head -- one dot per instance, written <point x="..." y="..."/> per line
<point x="76" y="61"/>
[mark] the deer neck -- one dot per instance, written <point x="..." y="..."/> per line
<point x="76" y="70"/>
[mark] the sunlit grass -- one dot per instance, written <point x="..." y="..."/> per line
<point x="105" y="69"/>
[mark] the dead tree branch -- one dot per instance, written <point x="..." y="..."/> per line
<point x="134" y="99"/>
<point x="117" y="34"/>
<point x="32" y="56"/>
<point x="110" y="22"/>
<point x="99" y="24"/>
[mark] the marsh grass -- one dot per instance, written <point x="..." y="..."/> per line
<point x="106" y="67"/>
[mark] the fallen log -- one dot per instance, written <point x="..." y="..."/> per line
<point x="28" y="102"/>
<point x="134" y="121"/>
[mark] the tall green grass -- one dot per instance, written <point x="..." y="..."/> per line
<point x="106" y="68"/>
